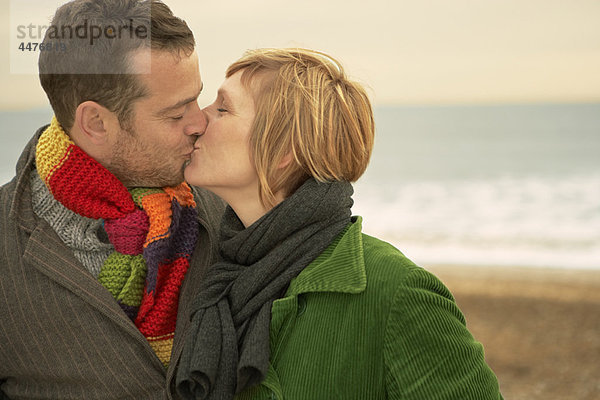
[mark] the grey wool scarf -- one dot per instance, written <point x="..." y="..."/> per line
<point x="227" y="348"/>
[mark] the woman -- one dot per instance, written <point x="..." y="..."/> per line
<point x="303" y="305"/>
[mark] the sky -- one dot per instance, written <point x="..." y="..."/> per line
<point x="404" y="51"/>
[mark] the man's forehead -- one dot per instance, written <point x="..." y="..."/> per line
<point x="174" y="80"/>
<point x="140" y="61"/>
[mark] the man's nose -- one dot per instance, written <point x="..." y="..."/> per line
<point x="198" y="125"/>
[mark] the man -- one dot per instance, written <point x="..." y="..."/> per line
<point x="97" y="229"/>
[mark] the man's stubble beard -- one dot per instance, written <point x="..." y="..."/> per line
<point x="135" y="165"/>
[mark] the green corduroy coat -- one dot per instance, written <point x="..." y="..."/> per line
<point x="363" y="322"/>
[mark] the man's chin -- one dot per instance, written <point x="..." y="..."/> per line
<point x="155" y="181"/>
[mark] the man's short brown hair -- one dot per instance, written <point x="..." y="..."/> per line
<point x="79" y="73"/>
<point x="305" y="105"/>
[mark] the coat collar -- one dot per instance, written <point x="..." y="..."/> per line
<point x="21" y="209"/>
<point x="340" y="268"/>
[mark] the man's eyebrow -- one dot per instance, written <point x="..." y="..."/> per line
<point x="179" y="104"/>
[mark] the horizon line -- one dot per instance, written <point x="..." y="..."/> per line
<point x="393" y="104"/>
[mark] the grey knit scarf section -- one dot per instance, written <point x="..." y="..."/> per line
<point x="82" y="235"/>
<point x="227" y="347"/>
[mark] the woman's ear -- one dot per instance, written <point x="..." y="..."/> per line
<point x="286" y="160"/>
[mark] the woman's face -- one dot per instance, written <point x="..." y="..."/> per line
<point x="221" y="161"/>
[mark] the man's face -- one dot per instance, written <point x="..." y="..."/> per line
<point x="164" y="126"/>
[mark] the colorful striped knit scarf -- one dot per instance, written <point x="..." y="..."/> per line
<point x="153" y="231"/>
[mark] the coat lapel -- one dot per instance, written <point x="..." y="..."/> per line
<point x="47" y="253"/>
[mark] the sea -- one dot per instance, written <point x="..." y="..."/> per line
<point x="484" y="185"/>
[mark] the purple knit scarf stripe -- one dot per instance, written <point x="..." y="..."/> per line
<point x="178" y="243"/>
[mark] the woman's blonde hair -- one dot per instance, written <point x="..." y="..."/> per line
<point x="307" y="107"/>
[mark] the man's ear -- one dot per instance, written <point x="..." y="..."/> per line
<point x="93" y="123"/>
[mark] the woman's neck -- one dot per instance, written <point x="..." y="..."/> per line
<point x="247" y="206"/>
<point x="248" y="211"/>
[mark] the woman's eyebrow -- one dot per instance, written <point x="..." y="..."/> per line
<point x="224" y="94"/>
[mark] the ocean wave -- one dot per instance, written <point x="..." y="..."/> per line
<point x="504" y="221"/>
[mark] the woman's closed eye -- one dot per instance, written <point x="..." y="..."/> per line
<point x="221" y="110"/>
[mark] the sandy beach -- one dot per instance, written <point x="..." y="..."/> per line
<point x="540" y="327"/>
